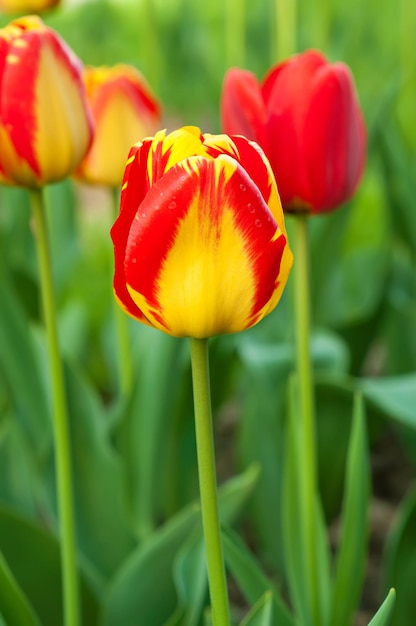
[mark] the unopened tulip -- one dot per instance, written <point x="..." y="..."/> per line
<point x="45" y="122"/>
<point x="26" y="6"/>
<point x="306" y="116"/>
<point x="200" y="243"/>
<point x="125" y="111"/>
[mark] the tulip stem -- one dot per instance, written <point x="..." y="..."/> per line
<point x="208" y="483"/>
<point x="124" y="356"/>
<point x="308" y="469"/>
<point x="59" y="418"/>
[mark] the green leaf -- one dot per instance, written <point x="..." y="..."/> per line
<point x="18" y="471"/>
<point x="250" y="578"/>
<point x="262" y="613"/>
<point x="395" y="396"/>
<point x="130" y="598"/>
<point x="384" y="614"/>
<point x="33" y="556"/>
<point x="342" y="244"/>
<point x="21" y="369"/>
<point x="147" y="425"/>
<point x="103" y="523"/>
<point x="351" y="554"/>
<point x="14" y="606"/>
<point x="190" y="576"/>
<point x="294" y="530"/>
<point x="400" y="561"/>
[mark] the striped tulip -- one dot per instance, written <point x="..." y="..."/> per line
<point x="26" y="6"/>
<point x="200" y="244"/>
<point x="306" y="116"/>
<point x="45" y="122"/>
<point x="125" y="111"/>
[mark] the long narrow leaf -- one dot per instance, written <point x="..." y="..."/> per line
<point x="14" y="606"/>
<point x="251" y="579"/>
<point x="352" y="548"/>
<point x="130" y="598"/>
<point x="262" y="613"/>
<point x="301" y="587"/>
<point x="384" y="614"/>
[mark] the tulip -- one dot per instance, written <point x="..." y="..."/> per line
<point x="125" y="111"/>
<point x="26" y="6"/>
<point x="45" y="122"/>
<point x="200" y="243"/>
<point x="306" y="116"/>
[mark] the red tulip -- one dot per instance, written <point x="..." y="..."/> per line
<point x="45" y="122"/>
<point x="200" y="244"/>
<point x="306" y="116"/>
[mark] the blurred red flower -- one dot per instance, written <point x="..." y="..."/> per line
<point x="307" y="118"/>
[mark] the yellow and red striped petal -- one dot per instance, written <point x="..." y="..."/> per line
<point x="124" y="110"/>
<point x="45" y="123"/>
<point x="203" y="254"/>
<point x="198" y="250"/>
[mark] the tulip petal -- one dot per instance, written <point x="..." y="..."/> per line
<point x="45" y="124"/>
<point x="243" y="111"/>
<point x="335" y="136"/>
<point x="290" y="83"/>
<point x="199" y="260"/>
<point x="135" y="187"/>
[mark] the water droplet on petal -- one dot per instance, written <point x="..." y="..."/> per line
<point x="157" y="207"/>
<point x="243" y="187"/>
<point x="251" y="208"/>
<point x="172" y="205"/>
<point x="258" y="223"/>
<point x="134" y="260"/>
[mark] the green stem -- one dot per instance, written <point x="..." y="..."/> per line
<point x="124" y="356"/>
<point x="308" y="470"/>
<point x="60" y="418"/>
<point x="284" y="39"/>
<point x="208" y="483"/>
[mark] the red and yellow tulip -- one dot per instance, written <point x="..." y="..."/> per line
<point x="306" y="116"/>
<point x="125" y="111"/>
<point x="26" y="6"/>
<point x="45" y="121"/>
<point x="200" y="244"/>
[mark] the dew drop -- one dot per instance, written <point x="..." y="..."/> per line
<point x="172" y="205"/>
<point x="134" y="261"/>
<point x="258" y="223"/>
<point x="157" y="207"/>
<point x="251" y="208"/>
<point x="243" y="187"/>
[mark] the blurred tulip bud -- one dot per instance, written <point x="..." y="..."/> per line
<point x="200" y="243"/>
<point x="125" y="111"/>
<point x="26" y="6"/>
<point x="45" y="122"/>
<point x="307" y="118"/>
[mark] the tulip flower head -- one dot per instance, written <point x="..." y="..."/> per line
<point x="306" y="116"/>
<point x="124" y="110"/>
<point x="200" y="244"/>
<point x="26" y="6"/>
<point x="45" y="122"/>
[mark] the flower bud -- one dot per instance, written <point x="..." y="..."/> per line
<point x="306" y="116"/>
<point x="200" y="243"/>
<point x="125" y="111"/>
<point x="45" y="122"/>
